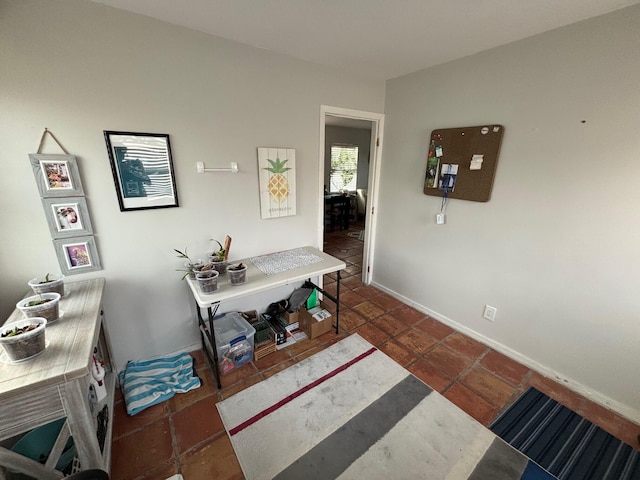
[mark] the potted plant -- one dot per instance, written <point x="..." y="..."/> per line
<point x="218" y="258"/>
<point x="237" y="274"/>
<point x="44" y="305"/>
<point x="207" y="280"/>
<point x="23" y="338"/>
<point x="190" y="265"/>
<point x="51" y="282"/>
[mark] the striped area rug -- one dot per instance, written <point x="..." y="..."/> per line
<point x="563" y="442"/>
<point x="351" y="412"/>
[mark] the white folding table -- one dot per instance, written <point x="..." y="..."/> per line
<point x="258" y="281"/>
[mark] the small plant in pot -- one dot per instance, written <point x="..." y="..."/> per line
<point x="51" y="282"/>
<point x="45" y="305"/>
<point x="23" y="338"/>
<point x="218" y="260"/>
<point x="207" y="280"/>
<point x="190" y="266"/>
<point x="237" y="274"/>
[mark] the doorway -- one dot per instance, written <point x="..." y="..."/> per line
<point x="335" y="117"/>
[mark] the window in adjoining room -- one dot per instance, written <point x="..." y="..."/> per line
<point x="344" y="168"/>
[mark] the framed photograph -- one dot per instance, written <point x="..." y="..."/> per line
<point x="67" y="217"/>
<point x="142" y="170"/>
<point x="56" y="175"/>
<point x="77" y="255"/>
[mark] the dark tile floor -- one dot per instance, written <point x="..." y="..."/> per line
<point x="185" y="435"/>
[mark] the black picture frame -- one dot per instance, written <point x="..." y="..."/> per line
<point x="142" y="168"/>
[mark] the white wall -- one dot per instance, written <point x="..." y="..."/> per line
<point x="79" y="68"/>
<point x="556" y="247"/>
<point x="351" y="136"/>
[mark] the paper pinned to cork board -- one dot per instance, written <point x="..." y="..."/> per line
<point x="476" y="162"/>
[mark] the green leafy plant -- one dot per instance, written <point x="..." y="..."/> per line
<point x="183" y="254"/>
<point x="39" y="301"/>
<point x="18" y="331"/>
<point x="219" y="255"/>
<point x="189" y="264"/>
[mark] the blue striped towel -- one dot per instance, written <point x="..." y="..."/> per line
<point x="147" y="382"/>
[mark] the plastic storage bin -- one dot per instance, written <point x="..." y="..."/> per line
<point x="234" y="341"/>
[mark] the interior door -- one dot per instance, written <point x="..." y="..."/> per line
<point x="355" y="119"/>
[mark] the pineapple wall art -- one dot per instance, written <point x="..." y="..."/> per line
<point x="277" y="173"/>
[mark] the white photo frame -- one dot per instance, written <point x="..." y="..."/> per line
<point x="67" y="217"/>
<point x="56" y="175"/>
<point x="77" y="255"/>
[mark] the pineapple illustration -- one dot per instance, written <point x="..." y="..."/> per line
<point x="278" y="186"/>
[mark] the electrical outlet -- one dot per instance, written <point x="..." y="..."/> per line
<point x="490" y="313"/>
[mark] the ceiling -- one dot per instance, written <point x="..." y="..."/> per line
<point x="379" y="39"/>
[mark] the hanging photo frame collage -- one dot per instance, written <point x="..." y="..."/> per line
<point x="66" y="210"/>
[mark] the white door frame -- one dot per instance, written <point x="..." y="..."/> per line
<point x="377" y="120"/>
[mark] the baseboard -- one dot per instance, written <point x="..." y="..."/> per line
<point x="597" y="397"/>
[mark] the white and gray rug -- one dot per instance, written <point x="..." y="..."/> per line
<point x="352" y="412"/>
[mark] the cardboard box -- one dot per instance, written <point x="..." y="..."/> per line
<point x="250" y="316"/>
<point x="315" y="322"/>
<point x="291" y="317"/>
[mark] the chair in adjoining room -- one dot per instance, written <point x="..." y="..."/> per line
<point x="336" y="211"/>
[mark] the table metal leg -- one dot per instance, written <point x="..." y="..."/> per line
<point x="335" y="300"/>
<point x="207" y="334"/>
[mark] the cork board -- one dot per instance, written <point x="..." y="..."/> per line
<point x="461" y="162"/>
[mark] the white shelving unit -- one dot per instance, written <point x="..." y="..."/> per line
<point x="55" y="385"/>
